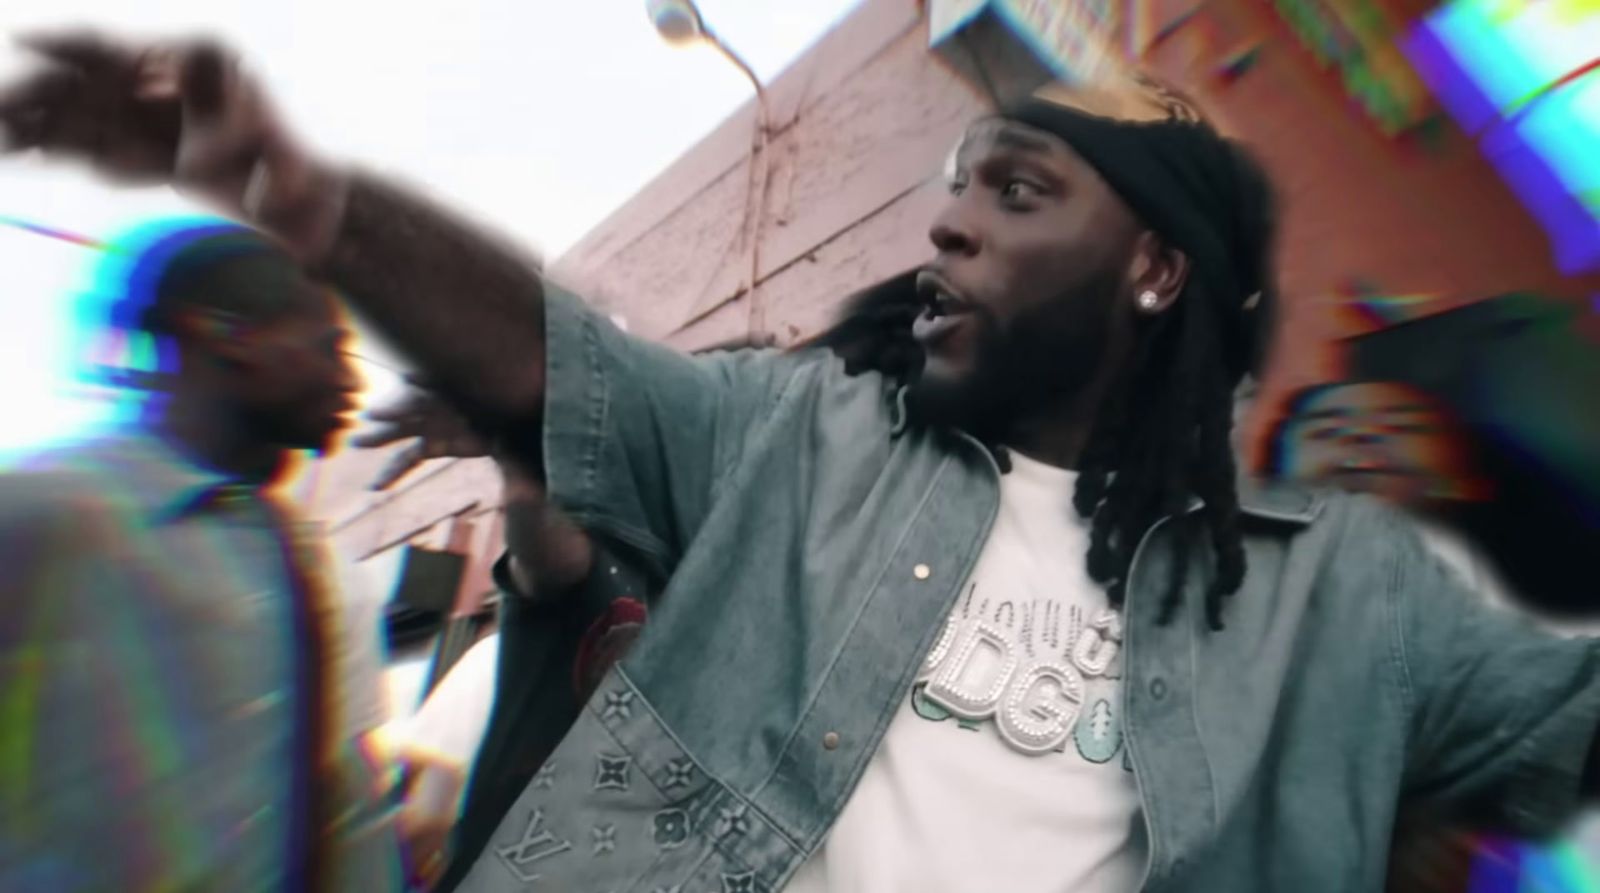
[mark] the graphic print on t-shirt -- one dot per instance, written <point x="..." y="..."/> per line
<point x="1006" y="767"/>
<point x="1043" y="674"/>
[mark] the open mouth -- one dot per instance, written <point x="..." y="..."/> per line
<point x="939" y="297"/>
<point x="944" y="309"/>
<point x="1375" y="467"/>
<point x="1369" y="477"/>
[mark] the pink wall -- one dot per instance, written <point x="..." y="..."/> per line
<point x="861" y="126"/>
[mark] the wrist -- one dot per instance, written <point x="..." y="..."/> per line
<point x="548" y="550"/>
<point x="297" y="198"/>
<point x="518" y="487"/>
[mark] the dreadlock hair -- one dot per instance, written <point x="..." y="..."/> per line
<point x="1166" y="434"/>
<point x="1163" y="435"/>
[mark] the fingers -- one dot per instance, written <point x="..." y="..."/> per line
<point x="88" y="101"/>
<point x="383" y="435"/>
<point x="78" y="48"/>
<point x="207" y="72"/>
<point x="227" y="124"/>
<point x="29" y="110"/>
<point x="409" y="457"/>
<point x="159" y="75"/>
<point x="421" y="414"/>
<point x="407" y="407"/>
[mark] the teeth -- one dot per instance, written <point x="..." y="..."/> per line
<point x="936" y="301"/>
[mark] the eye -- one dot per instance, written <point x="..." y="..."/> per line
<point x="1019" y="190"/>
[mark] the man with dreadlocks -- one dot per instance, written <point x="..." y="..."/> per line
<point x="881" y="661"/>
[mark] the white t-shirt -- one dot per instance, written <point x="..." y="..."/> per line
<point x="1004" y="769"/>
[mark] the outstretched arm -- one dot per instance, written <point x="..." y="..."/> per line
<point x="1504" y="711"/>
<point x="463" y="307"/>
<point x="466" y="309"/>
<point x="633" y="437"/>
<point x="548" y="554"/>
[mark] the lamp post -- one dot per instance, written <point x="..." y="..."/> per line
<point x="679" y="23"/>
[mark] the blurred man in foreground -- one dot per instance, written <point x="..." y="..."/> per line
<point x="185" y="694"/>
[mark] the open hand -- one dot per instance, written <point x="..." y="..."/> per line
<point x="183" y="113"/>
<point x="435" y="430"/>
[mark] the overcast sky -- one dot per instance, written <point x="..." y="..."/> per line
<point x="539" y="116"/>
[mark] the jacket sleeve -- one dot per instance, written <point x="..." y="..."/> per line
<point x="637" y="435"/>
<point x="1504" y="711"/>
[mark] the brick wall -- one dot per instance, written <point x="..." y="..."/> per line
<point x="1356" y="204"/>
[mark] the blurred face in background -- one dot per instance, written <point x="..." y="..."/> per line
<point x="1386" y="439"/>
<point x="298" y="385"/>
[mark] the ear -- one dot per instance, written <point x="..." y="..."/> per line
<point x="1157" y="275"/>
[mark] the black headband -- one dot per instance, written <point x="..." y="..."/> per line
<point x="1202" y="193"/>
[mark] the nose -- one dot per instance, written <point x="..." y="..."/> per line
<point x="953" y="231"/>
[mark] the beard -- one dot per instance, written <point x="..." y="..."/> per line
<point x="1038" y="358"/>
<point x="291" y="428"/>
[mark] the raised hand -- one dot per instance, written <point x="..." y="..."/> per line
<point x="435" y="430"/>
<point x="180" y="113"/>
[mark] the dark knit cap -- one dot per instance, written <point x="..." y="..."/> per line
<point x="231" y="269"/>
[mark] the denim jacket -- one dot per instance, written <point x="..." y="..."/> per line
<point x="814" y="547"/>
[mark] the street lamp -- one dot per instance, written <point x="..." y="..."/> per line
<point x="679" y="23"/>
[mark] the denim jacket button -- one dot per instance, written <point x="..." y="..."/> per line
<point x="922" y="572"/>
<point x="830" y="741"/>
<point x="1158" y="688"/>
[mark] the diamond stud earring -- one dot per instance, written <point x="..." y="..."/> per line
<point x="1148" y="300"/>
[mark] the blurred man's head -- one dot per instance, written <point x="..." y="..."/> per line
<point x="250" y="337"/>
<point x="1388" y="439"/>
